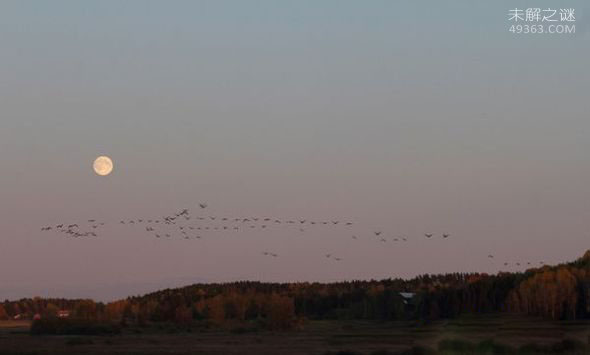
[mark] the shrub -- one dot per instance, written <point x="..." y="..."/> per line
<point x="568" y="346"/>
<point x="455" y="346"/>
<point x="491" y="347"/>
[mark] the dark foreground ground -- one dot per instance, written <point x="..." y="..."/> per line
<point x="467" y="335"/>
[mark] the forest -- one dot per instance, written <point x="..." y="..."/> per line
<point x="560" y="292"/>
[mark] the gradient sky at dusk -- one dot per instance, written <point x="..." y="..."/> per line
<point x="406" y="117"/>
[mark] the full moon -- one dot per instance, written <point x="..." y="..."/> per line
<point x="103" y="165"/>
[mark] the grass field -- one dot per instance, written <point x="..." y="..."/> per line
<point x="317" y="337"/>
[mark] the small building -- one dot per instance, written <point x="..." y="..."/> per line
<point x="407" y="296"/>
<point x="409" y="300"/>
<point x="63" y="313"/>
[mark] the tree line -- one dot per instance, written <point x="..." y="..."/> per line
<point x="555" y="292"/>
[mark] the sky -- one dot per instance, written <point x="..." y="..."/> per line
<point x="406" y="117"/>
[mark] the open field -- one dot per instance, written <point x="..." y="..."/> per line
<point x="317" y="337"/>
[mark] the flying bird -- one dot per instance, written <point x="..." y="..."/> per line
<point x="203" y="205"/>
<point x="428" y="235"/>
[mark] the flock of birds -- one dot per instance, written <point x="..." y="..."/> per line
<point x="186" y="226"/>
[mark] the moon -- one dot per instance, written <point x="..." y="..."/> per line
<point x="103" y="165"/>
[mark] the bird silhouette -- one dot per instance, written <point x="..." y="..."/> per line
<point x="428" y="235"/>
<point x="377" y="233"/>
<point x="203" y="205"/>
<point x="445" y="236"/>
